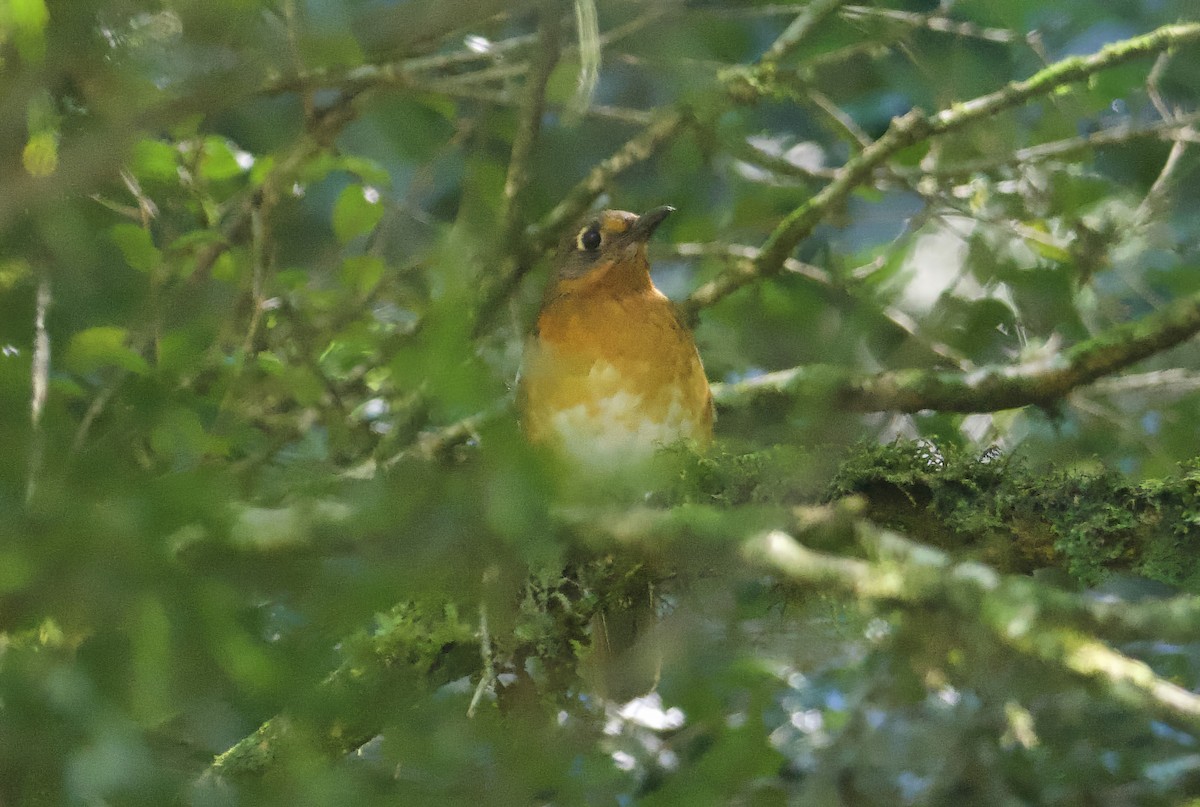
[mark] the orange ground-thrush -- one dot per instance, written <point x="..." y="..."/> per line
<point x="610" y="373"/>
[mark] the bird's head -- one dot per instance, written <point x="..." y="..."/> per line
<point x="611" y="240"/>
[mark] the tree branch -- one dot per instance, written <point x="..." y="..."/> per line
<point x="530" y="124"/>
<point x="963" y="588"/>
<point x="415" y="652"/>
<point x="805" y="23"/>
<point x="915" y="126"/>
<point x="988" y="389"/>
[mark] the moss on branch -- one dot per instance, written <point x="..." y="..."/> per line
<point x="1026" y="623"/>
<point x="1019" y="520"/>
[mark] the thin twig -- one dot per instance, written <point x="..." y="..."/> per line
<point x="1167" y="384"/>
<point x="487" y="675"/>
<point x="39" y="385"/>
<point x="747" y="151"/>
<point x="741" y="257"/>
<point x="665" y="127"/>
<point x="587" y="31"/>
<point x="259" y="240"/>
<point x="916" y="126"/>
<point x="845" y="123"/>
<point x="533" y="108"/>
<point x="437" y="444"/>
<point x="1175" y="130"/>
<point x="1152" y="203"/>
<point x="799" y="30"/>
<point x="933" y="22"/>
<point x="1152" y="84"/>
<point x="545" y="233"/>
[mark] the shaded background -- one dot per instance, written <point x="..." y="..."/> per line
<point x="277" y="266"/>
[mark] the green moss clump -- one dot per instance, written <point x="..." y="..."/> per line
<point x="1019" y="519"/>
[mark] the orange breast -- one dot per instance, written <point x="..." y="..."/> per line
<point x="611" y="376"/>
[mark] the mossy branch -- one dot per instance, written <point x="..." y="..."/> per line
<point x="1016" y="519"/>
<point x="977" y="593"/>
<point x="988" y="389"/>
<point x="914" y="127"/>
<point x="416" y="651"/>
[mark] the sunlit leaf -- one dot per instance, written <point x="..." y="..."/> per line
<point x="155" y="160"/>
<point x="362" y="272"/>
<point x="100" y="347"/>
<point x="29" y="18"/>
<point x="40" y="156"/>
<point x="137" y="245"/>
<point x="220" y="160"/>
<point x="357" y="211"/>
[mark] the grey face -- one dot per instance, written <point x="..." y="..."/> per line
<point x="605" y="238"/>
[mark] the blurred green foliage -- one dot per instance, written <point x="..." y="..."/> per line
<point x="276" y="485"/>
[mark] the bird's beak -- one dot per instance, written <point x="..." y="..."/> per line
<point x="648" y="222"/>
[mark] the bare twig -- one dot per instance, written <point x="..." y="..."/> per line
<point x="414" y="26"/>
<point x="259" y="246"/>
<point x="844" y="122"/>
<point x="1152" y="202"/>
<point x="1166" y="384"/>
<point x="741" y="256"/>
<point x="487" y="674"/>
<point x="1152" y="84"/>
<point x="587" y="28"/>
<point x="39" y="385"/>
<point x="533" y="108"/>
<point x="933" y="22"/>
<point x="544" y="234"/>
<point x="438" y="443"/>
<point x="1174" y="130"/>
<point x="665" y="127"/>
<point x="805" y="23"/>
<point x="778" y="164"/>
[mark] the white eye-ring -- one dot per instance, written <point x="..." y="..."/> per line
<point x="589" y="239"/>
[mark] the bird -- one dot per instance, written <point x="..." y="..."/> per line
<point x="610" y="373"/>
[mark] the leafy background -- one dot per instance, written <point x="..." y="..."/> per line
<point x="265" y="274"/>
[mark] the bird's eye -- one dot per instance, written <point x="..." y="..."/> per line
<point x="590" y="239"/>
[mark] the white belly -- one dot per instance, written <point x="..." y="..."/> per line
<point x="615" y="427"/>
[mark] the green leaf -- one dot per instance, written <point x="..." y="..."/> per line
<point x="362" y="273"/>
<point x="263" y="166"/>
<point x="155" y="160"/>
<point x="220" y="161"/>
<point x="229" y="266"/>
<point x="184" y="349"/>
<point x="179" y="435"/>
<point x="40" y="156"/>
<point x="15" y="570"/>
<point x="136" y="245"/>
<point x="29" y="18"/>
<point x="100" y="347"/>
<point x="357" y="212"/>
<point x="13" y="272"/>
<point x="367" y="170"/>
